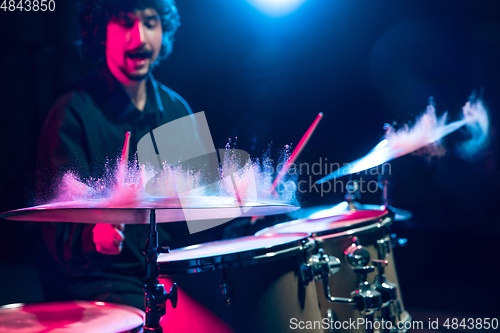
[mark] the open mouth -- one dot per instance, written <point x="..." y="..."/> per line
<point x="140" y="57"/>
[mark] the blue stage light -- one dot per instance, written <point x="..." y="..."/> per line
<point x="276" y="8"/>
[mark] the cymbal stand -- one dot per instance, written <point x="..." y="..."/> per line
<point x="390" y="310"/>
<point x="383" y="184"/>
<point x="155" y="297"/>
<point x="352" y="189"/>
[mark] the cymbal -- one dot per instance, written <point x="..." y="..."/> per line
<point x="319" y="220"/>
<point x="401" y="214"/>
<point x="168" y="209"/>
<point x="70" y="316"/>
<point x="346" y="210"/>
<point x="386" y="151"/>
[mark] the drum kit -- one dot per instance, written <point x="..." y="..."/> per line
<point x="321" y="273"/>
<point x="330" y="271"/>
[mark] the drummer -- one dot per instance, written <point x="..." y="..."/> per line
<point x="86" y="126"/>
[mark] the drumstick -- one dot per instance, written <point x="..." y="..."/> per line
<point x="126" y="147"/>
<point x="302" y="143"/>
<point x="296" y="151"/>
<point x="124" y="159"/>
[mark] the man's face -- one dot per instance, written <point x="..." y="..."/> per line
<point x="133" y="42"/>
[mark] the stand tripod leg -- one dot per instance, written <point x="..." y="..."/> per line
<point x="155" y="297"/>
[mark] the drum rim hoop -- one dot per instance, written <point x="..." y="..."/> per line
<point x="351" y="228"/>
<point x="363" y="227"/>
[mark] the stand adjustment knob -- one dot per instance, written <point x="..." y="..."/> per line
<point x="173" y="295"/>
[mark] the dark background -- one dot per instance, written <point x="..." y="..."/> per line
<point x="263" y="80"/>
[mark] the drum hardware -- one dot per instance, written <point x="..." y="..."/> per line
<point x="383" y="184"/>
<point x="384" y="247"/>
<point x="399" y="214"/>
<point x="385" y="312"/>
<point x="366" y="296"/>
<point x="226" y="289"/>
<point x="390" y="309"/>
<point x="319" y="267"/>
<point x="357" y="255"/>
<point x="395" y="241"/>
<point x="155" y="297"/>
<point x="352" y="189"/>
<point x="386" y="288"/>
<point x="330" y="315"/>
<point x="340" y="231"/>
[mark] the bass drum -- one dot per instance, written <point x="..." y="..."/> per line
<point x="338" y="235"/>
<point x="247" y="284"/>
<point x="70" y="317"/>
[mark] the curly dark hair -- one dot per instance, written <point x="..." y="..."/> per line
<point x="94" y="16"/>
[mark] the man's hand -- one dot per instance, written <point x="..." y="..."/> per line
<point x="108" y="238"/>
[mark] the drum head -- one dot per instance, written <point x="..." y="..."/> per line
<point x="74" y="317"/>
<point x="231" y="253"/>
<point x="330" y="221"/>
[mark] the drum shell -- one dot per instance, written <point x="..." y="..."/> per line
<point x="264" y="298"/>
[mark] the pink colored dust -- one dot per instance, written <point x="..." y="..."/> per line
<point x="124" y="186"/>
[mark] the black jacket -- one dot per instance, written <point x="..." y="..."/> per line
<point x="85" y="130"/>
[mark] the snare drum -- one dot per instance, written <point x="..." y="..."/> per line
<point x="336" y="234"/>
<point x="74" y="317"/>
<point x="247" y="284"/>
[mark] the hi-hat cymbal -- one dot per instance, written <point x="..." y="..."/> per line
<point x="401" y="214"/>
<point x="346" y="209"/>
<point x="168" y="209"/>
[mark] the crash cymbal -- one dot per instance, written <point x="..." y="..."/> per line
<point x="168" y="209"/>
<point x="401" y="214"/>
<point x="386" y="151"/>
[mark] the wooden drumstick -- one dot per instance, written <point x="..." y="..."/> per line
<point x="126" y="148"/>
<point x="300" y="146"/>
<point x="124" y="159"/>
